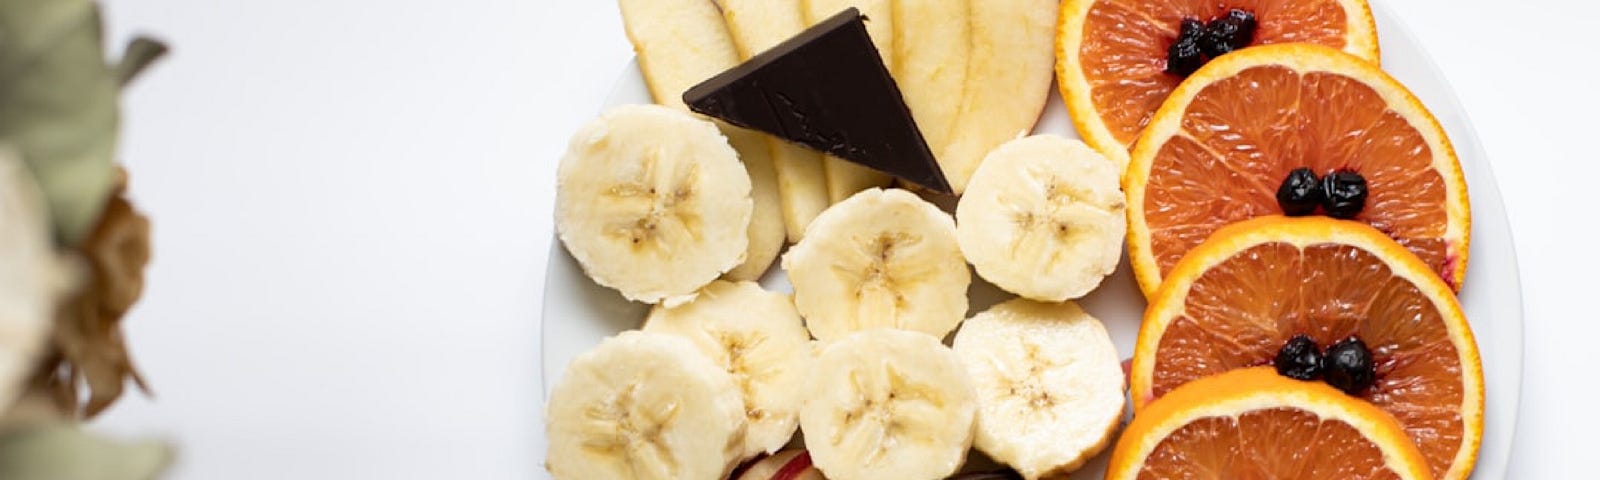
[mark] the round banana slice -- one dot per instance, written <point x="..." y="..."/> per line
<point x="652" y="202"/>
<point x="644" y="406"/>
<point x="881" y="258"/>
<point x="1049" y="383"/>
<point x="888" y="403"/>
<point x="757" y="337"/>
<point x="1043" y="218"/>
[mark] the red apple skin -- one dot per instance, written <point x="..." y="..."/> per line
<point x="798" y="469"/>
<point x="784" y="465"/>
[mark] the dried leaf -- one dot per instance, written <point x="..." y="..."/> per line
<point x="63" y="452"/>
<point x="141" y="52"/>
<point x="88" y="339"/>
<point x="59" y="103"/>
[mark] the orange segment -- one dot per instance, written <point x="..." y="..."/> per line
<point x="1234" y="300"/>
<point x="1222" y="143"/>
<point x="1113" y="53"/>
<point x="1254" y="424"/>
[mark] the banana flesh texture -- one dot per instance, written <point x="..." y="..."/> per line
<point x="882" y="258"/>
<point x="757" y="337"/>
<point x="1043" y="218"/>
<point x="644" y="406"/>
<point x="1049" y="384"/>
<point x="888" y="403"/>
<point x="679" y="44"/>
<point x="652" y="202"/>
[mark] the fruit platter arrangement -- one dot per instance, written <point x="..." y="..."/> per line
<point x="860" y="254"/>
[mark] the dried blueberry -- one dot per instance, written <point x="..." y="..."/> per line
<point x="1184" y="56"/>
<point x="1190" y="28"/>
<point x="1344" y="194"/>
<point x="1300" y="193"/>
<point x="1299" y="359"/>
<point x="1230" y="32"/>
<point x="1348" y="366"/>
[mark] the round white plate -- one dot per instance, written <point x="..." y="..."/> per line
<point x="578" y="313"/>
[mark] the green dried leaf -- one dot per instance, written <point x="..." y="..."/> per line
<point x="58" y="105"/>
<point x="141" y="52"/>
<point x="62" y="452"/>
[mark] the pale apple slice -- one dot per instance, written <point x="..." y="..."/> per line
<point x="931" y="49"/>
<point x="757" y="25"/>
<point x="844" y="177"/>
<point x="1007" y="83"/>
<point x="681" y="43"/>
<point x="880" y="19"/>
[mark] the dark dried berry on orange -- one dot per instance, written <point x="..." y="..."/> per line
<point x="1299" y="359"/>
<point x="1300" y="193"/>
<point x="1348" y="366"/>
<point x="1344" y="194"/>
<point x="1230" y="32"/>
<point x="1185" y="55"/>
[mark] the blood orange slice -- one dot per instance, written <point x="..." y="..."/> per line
<point x="1253" y="423"/>
<point x="1113" y="53"/>
<point x="1237" y="298"/>
<point x="1223" y="142"/>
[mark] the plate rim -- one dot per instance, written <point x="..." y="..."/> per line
<point x="1492" y="183"/>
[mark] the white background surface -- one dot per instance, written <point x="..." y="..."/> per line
<point x="351" y="202"/>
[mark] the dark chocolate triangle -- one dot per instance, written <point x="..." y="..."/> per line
<point x="827" y="89"/>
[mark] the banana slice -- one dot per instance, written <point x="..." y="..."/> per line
<point x="652" y="202"/>
<point x="681" y="43"/>
<point x="888" y="403"/>
<point x="757" y="337"/>
<point x="1050" y="386"/>
<point x="881" y="258"/>
<point x="1043" y="218"/>
<point x="644" y="405"/>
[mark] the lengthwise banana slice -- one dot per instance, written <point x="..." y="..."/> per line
<point x="652" y="202"/>
<point x="1043" y="218"/>
<point x="888" y="403"/>
<point x="881" y="258"/>
<point x="757" y="337"/>
<point x="644" y="405"/>
<point x="1049" y="382"/>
